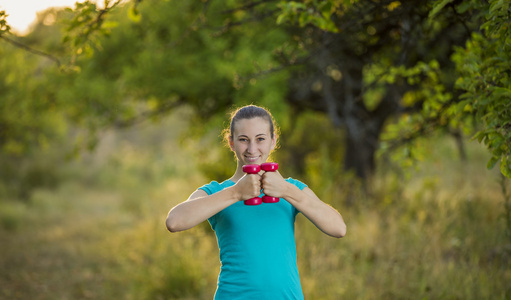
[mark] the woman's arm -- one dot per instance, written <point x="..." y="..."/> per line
<point x="325" y="217"/>
<point x="200" y="206"/>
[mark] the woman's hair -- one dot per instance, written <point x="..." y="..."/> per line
<point x="250" y="112"/>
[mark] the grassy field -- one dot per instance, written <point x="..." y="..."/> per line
<point x="436" y="233"/>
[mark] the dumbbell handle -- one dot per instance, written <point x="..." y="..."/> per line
<point x="270" y="167"/>
<point x="252" y="169"/>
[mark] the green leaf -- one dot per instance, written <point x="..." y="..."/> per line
<point x="438" y="7"/>
<point x="463" y="7"/>
<point x="496" y="5"/>
<point x="281" y="18"/>
<point x="492" y="162"/>
<point x="479" y="136"/>
<point x="505" y="168"/>
<point x="134" y="15"/>
<point x="501" y="92"/>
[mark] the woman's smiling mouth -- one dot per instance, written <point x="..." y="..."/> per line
<point x="252" y="158"/>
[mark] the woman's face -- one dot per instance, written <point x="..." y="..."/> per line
<point x="252" y="141"/>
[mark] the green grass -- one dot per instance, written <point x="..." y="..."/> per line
<point x="437" y="233"/>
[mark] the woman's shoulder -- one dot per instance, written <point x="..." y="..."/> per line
<point x="215" y="186"/>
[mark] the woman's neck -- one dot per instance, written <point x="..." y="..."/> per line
<point x="238" y="174"/>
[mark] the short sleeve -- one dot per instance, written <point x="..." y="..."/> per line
<point x="297" y="183"/>
<point x="211" y="187"/>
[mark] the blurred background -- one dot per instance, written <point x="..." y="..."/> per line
<point x="396" y="113"/>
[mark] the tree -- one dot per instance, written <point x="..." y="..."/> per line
<point x="484" y="70"/>
<point x="370" y="62"/>
<point x="381" y="70"/>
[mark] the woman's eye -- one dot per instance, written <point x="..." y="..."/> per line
<point x="260" y="139"/>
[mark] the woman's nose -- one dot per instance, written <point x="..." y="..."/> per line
<point x="251" y="147"/>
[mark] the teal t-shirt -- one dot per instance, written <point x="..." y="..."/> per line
<point x="257" y="249"/>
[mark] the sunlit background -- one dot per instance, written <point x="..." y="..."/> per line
<point x="23" y="12"/>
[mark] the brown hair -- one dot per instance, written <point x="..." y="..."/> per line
<point x="250" y="112"/>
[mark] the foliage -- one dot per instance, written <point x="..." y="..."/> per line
<point x="31" y="123"/>
<point x="4" y="27"/>
<point x="87" y="24"/>
<point x="381" y="61"/>
<point x="380" y="70"/>
<point x="315" y="13"/>
<point x="484" y="66"/>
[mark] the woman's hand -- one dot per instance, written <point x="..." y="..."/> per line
<point x="274" y="184"/>
<point x="249" y="186"/>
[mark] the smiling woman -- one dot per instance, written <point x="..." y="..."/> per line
<point x="256" y="242"/>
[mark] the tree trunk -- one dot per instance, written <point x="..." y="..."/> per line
<point x="460" y="145"/>
<point x="359" y="155"/>
<point x="364" y="127"/>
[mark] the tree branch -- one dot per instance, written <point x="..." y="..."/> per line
<point x="194" y="24"/>
<point x="247" y="6"/>
<point x="145" y="115"/>
<point x="425" y="127"/>
<point x="31" y="50"/>
<point x="256" y="17"/>
<point x="240" y="80"/>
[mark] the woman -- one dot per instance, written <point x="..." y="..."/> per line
<point x="257" y="244"/>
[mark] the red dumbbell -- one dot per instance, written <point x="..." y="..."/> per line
<point x="270" y="167"/>
<point x="252" y="169"/>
